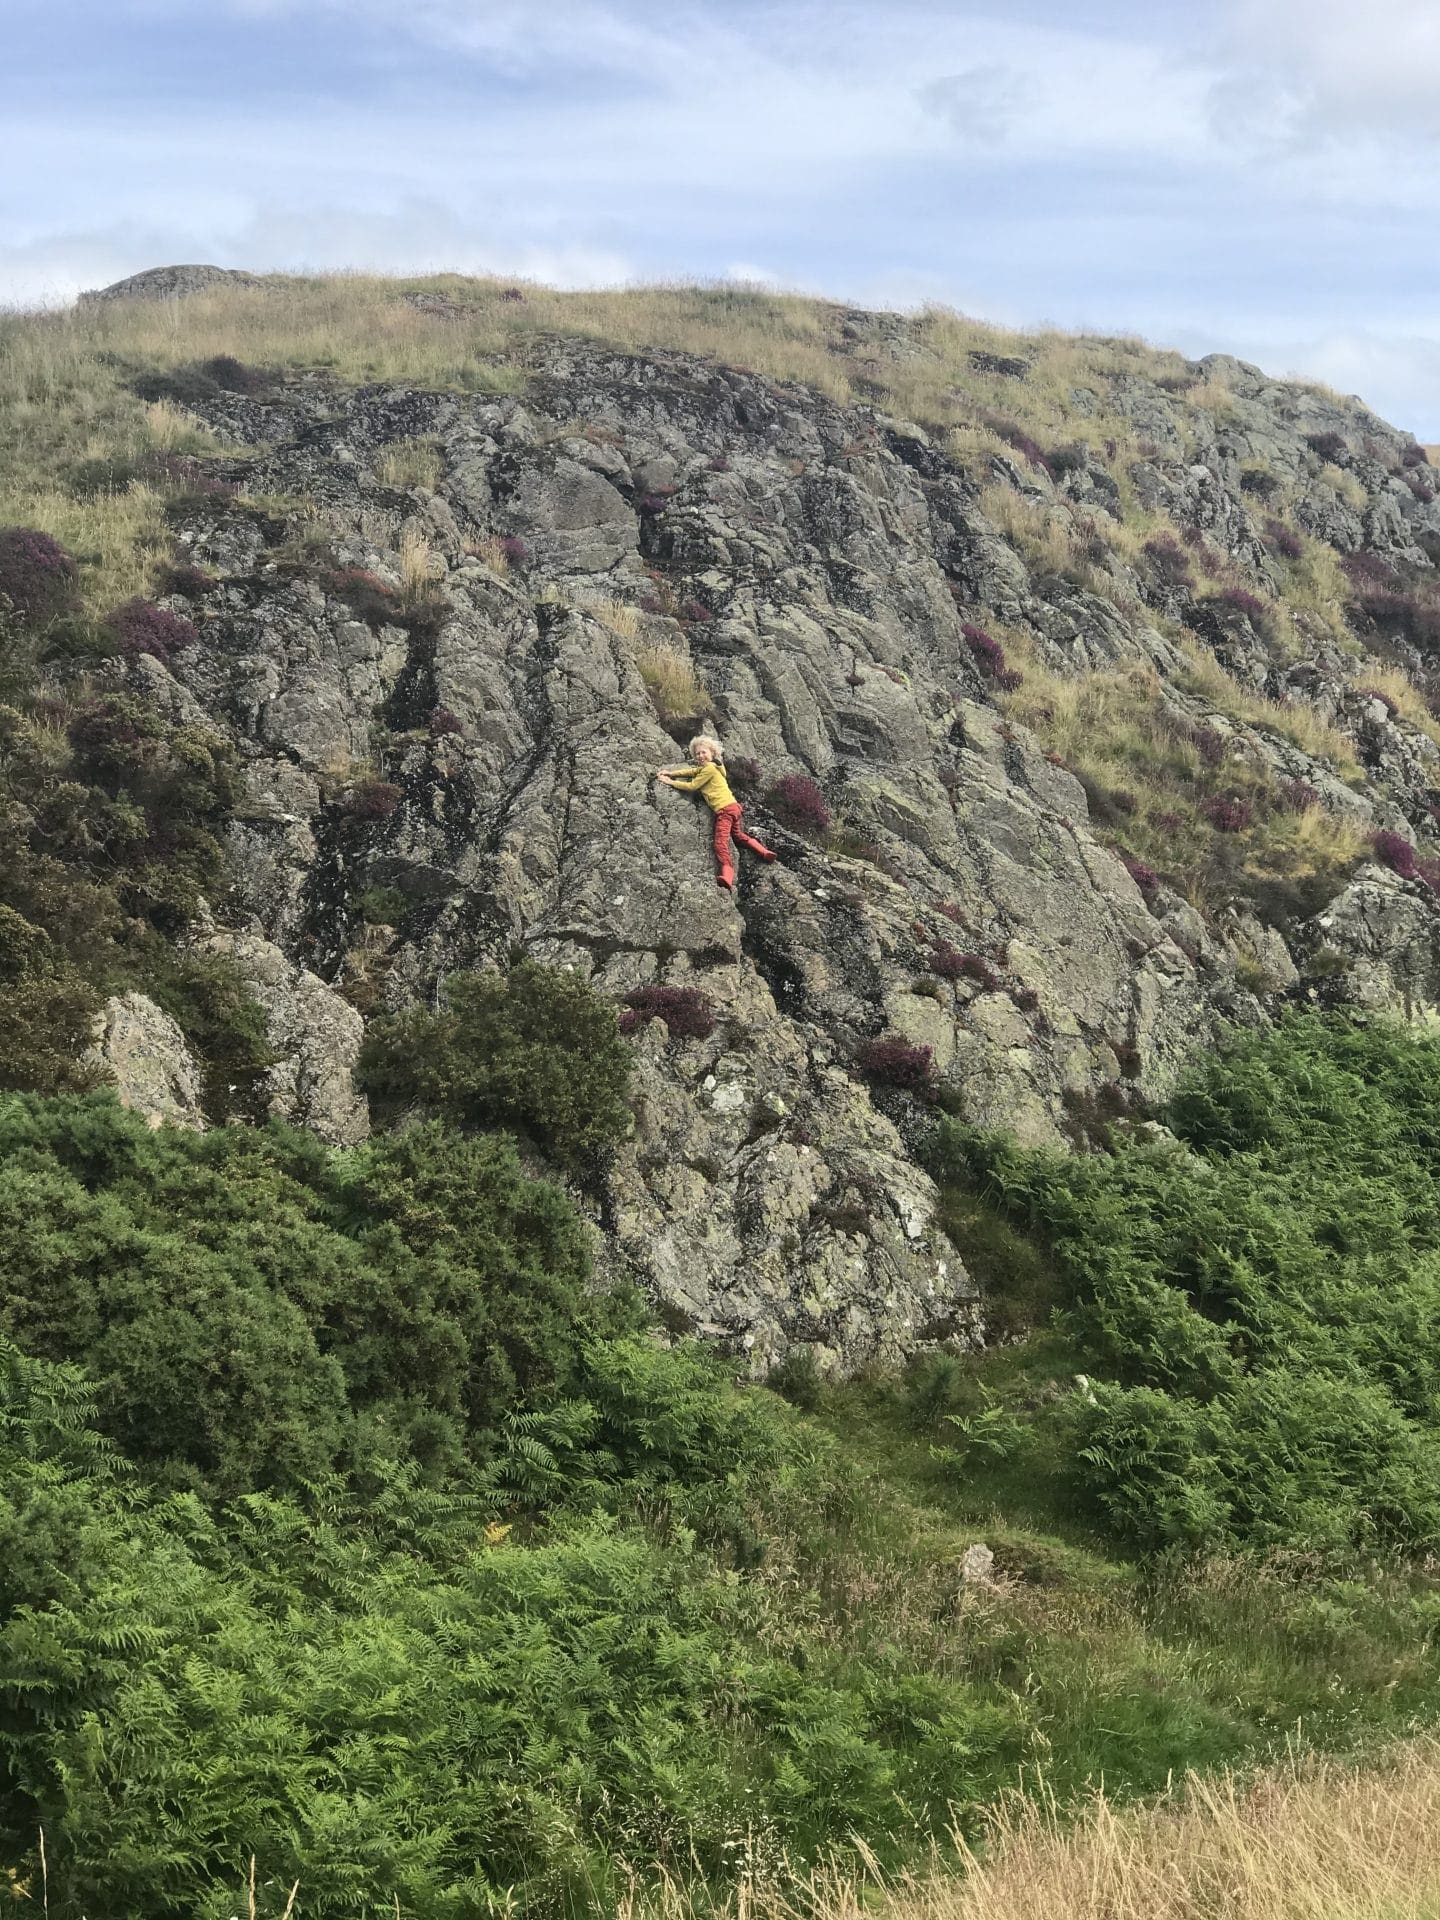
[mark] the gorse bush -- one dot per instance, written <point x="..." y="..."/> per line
<point x="256" y="1314"/>
<point x="1257" y="1317"/>
<point x="535" y="1049"/>
<point x="46" y="1011"/>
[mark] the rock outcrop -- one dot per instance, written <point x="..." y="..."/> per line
<point x="169" y="283"/>
<point x="440" y="696"/>
<point x="142" y="1053"/>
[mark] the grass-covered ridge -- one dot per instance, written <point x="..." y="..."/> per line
<point x="72" y="384"/>
<point x="342" y="1524"/>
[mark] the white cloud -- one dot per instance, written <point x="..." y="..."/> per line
<point x="1079" y="162"/>
<point x="1318" y="72"/>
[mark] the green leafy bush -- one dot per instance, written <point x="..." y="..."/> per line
<point x="257" y="1314"/>
<point x="535" y="1050"/>
<point x="46" y="1010"/>
<point x="397" y="1687"/>
<point x="429" y="1728"/>
<point x="111" y="818"/>
<point x="1258" y="1302"/>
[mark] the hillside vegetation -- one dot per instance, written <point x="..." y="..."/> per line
<point x="343" y="1529"/>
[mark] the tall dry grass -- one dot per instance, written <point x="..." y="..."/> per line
<point x="1308" y="1840"/>
<point x="416" y="462"/>
<point x="1394" y="682"/>
<point x="1044" y="536"/>
<point x="64" y="376"/>
<point x="676" y="690"/>
<point x="449" y="331"/>
<point x="1294" y="720"/>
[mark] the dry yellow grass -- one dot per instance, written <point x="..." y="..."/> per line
<point x="1321" y="841"/>
<point x="420" y="566"/>
<point x="455" y="332"/>
<point x="1090" y="719"/>
<point x="1400" y="688"/>
<point x="620" y="618"/>
<point x="1114" y="730"/>
<point x="974" y="446"/>
<point x="1213" y="395"/>
<point x="1293" y="720"/>
<point x="409" y="463"/>
<point x="120" y="537"/>
<point x="1308" y="1840"/>
<point x="1346" y="485"/>
<point x="675" y="688"/>
<point x="1044" y="536"/>
<point x="1316" y="587"/>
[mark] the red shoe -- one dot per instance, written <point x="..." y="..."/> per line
<point x="726" y="878"/>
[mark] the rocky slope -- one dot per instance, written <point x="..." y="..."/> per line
<point x="452" y="763"/>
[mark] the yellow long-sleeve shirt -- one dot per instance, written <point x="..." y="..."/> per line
<point x="708" y="781"/>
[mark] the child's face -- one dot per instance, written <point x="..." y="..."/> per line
<point x="703" y="756"/>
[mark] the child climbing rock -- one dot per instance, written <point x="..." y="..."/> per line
<point x="707" y="777"/>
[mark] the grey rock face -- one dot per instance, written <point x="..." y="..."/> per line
<point x="1383" y="928"/>
<point x="315" y="1033"/>
<point x="813" y="565"/>
<point x="144" y="1054"/>
<point x="977" y="1566"/>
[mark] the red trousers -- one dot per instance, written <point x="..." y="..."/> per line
<point x="727" y="822"/>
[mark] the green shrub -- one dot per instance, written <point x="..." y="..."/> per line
<point x="224" y="1026"/>
<point x="46" y="1011"/>
<point x="373" y="1689"/>
<point x="257" y="1314"/>
<point x="535" y="1050"/>
<point x="1258" y="1308"/>
<point x="382" y="906"/>
<point x="111" y="819"/>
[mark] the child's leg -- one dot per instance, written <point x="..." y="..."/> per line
<point x="748" y="840"/>
<point x="724" y="821"/>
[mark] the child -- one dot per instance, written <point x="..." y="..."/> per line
<point x="707" y="777"/>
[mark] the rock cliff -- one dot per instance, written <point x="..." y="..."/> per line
<point x="437" y="628"/>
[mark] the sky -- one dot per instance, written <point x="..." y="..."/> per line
<point x="1258" y="177"/>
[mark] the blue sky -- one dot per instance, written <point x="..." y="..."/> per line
<point x="1254" y="176"/>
